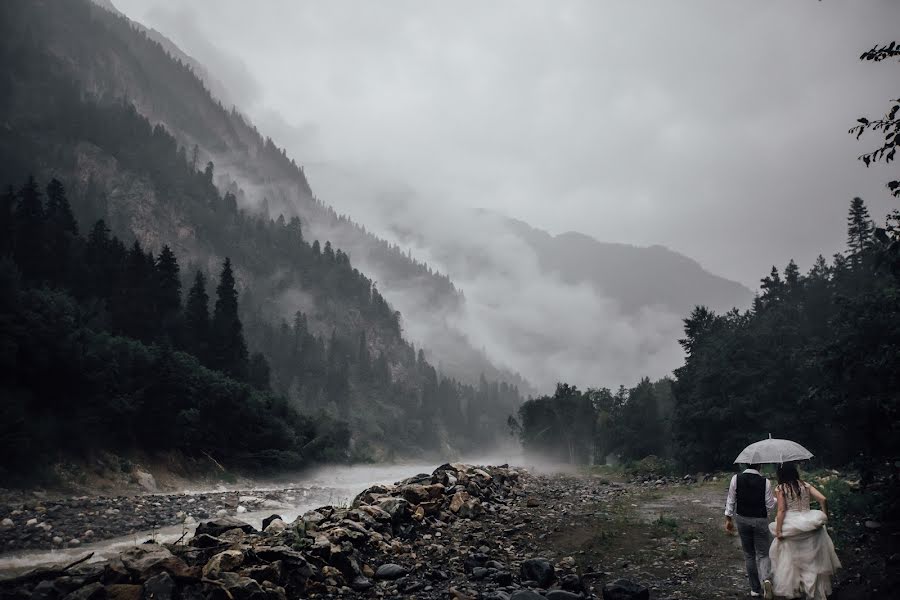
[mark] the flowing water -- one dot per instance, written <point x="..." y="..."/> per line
<point x="335" y="485"/>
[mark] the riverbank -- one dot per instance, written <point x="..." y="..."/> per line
<point x="471" y="533"/>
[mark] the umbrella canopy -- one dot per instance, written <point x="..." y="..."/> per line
<point x="772" y="451"/>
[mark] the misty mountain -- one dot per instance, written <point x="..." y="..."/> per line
<point x="634" y="276"/>
<point x="137" y="140"/>
<point x="191" y="105"/>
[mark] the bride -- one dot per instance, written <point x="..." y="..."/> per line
<point x="802" y="555"/>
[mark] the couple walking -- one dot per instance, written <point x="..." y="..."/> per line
<point x="801" y="559"/>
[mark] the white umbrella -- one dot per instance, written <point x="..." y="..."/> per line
<point x="772" y="451"/>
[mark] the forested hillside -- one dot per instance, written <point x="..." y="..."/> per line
<point x="816" y="359"/>
<point x="111" y="58"/>
<point x="332" y="343"/>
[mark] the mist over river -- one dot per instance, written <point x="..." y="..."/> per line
<point x="286" y="496"/>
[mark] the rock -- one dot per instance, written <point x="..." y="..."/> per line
<point x="146" y="481"/>
<point x="57" y="540"/>
<point x="459" y="498"/>
<point x="470" y="509"/>
<point x="221" y="513"/>
<point x="74" y="542"/>
<point x="242" y="588"/>
<point x="572" y="583"/>
<point x="217" y="527"/>
<point x="398" y="508"/>
<point x="361" y="584"/>
<point x="539" y="570"/>
<point x="532" y="502"/>
<point x="417" y="493"/>
<point x="149" y="559"/>
<point x="159" y="587"/>
<point x="93" y="591"/>
<point x="269" y="519"/>
<point x="88" y="534"/>
<point x="241" y="509"/>
<point x="502" y="578"/>
<point x="525" y="595"/>
<point x="276" y="526"/>
<point x="624" y="589"/>
<point x="7" y="523"/>
<point x="873" y="525"/>
<point x="562" y="595"/>
<point x="31" y="522"/>
<point x="205" y="540"/>
<point x="124" y="591"/>
<point x="229" y="560"/>
<point x="390" y="571"/>
<point x="478" y="573"/>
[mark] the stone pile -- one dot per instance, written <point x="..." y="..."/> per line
<point x="417" y="538"/>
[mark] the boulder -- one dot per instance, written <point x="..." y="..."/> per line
<point x="241" y="588"/>
<point x="275" y="526"/>
<point x="217" y="527"/>
<point x="146" y="481"/>
<point x="361" y="584"/>
<point x="459" y="498"/>
<point x="470" y="508"/>
<point x="525" y="595"/>
<point x="398" y="508"/>
<point x="159" y="587"/>
<point x="93" y="591"/>
<point x="562" y="595"/>
<point x="624" y="589"/>
<point x="418" y="493"/>
<point x="228" y="560"/>
<point x="539" y="570"/>
<point x="269" y="519"/>
<point x="124" y="591"/>
<point x="147" y="560"/>
<point x="7" y="523"/>
<point x="390" y="571"/>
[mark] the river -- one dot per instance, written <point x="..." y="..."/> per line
<point x="336" y="485"/>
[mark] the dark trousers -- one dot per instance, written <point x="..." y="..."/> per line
<point x="755" y="541"/>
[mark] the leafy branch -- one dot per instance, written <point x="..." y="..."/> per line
<point x="889" y="126"/>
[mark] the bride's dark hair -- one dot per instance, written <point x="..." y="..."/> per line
<point x="789" y="478"/>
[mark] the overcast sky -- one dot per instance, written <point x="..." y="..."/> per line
<point x="715" y="128"/>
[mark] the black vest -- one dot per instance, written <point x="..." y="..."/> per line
<point x="751" y="495"/>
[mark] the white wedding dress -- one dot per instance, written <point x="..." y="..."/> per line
<point x="804" y="561"/>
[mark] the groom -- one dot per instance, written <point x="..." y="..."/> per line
<point x="749" y="501"/>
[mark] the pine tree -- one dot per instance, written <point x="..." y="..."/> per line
<point x="259" y="372"/>
<point x="859" y="230"/>
<point x="229" y="350"/>
<point x="7" y="206"/>
<point x="168" y="292"/>
<point x="792" y="275"/>
<point x="30" y="250"/>
<point x="62" y="231"/>
<point x="196" y="317"/>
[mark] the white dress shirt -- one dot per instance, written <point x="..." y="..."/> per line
<point x="732" y="494"/>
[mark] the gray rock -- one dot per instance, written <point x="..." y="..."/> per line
<point x="93" y="591"/>
<point x="361" y="584"/>
<point x="539" y="570"/>
<point x="572" y="583"/>
<point x="217" y="527"/>
<point x="525" y="595"/>
<point x="268" y="520"/>
<point x="146" y="481"/>
<point x="624" y="589"/>
<point x="229" y="560"/>
<point x="159" y="587"/>
<point x="562" y="595"/>
<point x="390" y="571"/>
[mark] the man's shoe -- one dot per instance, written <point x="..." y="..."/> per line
<point x="754" y="594"/>
<point x="767" y="590"/>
